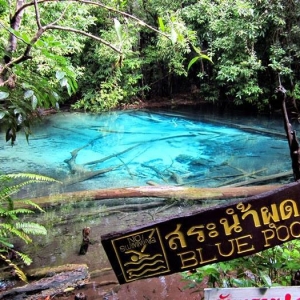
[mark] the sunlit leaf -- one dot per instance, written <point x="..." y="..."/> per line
<point x="55" y="95"/>
<point x="69" y="90"/>
<point x="3" y="95"/>
<point x="28" y="94"/>
<point x="118" y="29"/>
<point x="197" y="50"/>
<point x="173" y="35"/>
<point x="63" y="82"/>
<point x="73" y="84"/>
<point x="2" y="114"/>
<point x="203" y="56"/>
<point x="25" y="37"/>
<point x="17" y="111"/>
<point x="192" y="61"/>
<point x="39" y="43"/>
<point x="19" y="119"/>
<point x="161" y="24"/>
<point x="266" y="279"/>
<point x="20" y="35"/>
<point x="34" y="102"/>
<point x="60" y="75"/>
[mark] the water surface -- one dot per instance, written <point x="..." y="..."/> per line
<point x="136" y="148"/>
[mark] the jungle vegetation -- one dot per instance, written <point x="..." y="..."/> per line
<point x="98" y="56"/>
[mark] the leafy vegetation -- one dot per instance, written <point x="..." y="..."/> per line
<point x="103" y="55"/>
<point x="272" y="267"/>
<point x="100" y="55"/>
<point x="11" y="210"/>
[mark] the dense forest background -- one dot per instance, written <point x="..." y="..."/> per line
<point x="97" y="56"/>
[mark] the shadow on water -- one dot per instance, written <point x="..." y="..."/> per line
<point x="134" y="148"/>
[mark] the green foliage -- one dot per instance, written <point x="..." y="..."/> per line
<point x="143" y="53"/>
<point x="11" y="210"/>
<point x="35" y="69"/>
<point x="230" y="30"/>
<point x="271" y="267"/>
<point x="111" y="79"/>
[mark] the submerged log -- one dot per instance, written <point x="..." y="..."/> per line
<point x="167" y="192"/>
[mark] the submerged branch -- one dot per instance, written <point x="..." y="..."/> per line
<point x="262" y="179"/>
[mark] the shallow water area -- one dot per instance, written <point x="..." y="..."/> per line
<point x="129" y="149"/>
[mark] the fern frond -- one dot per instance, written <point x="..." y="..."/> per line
<point x="18" y="271"/>
<point x="9" y="215"/>
<point x="6" y="192"/>
<point x="30" y="203"/>
<point x="21" y="211"/>
<point x="32" y="228"/>
<point x="25" y="258"/>
<point x="13" y="214"/>
<point x="5" y="243"/>
<point x="11" y="229"/>
<point x="34" y="177"/>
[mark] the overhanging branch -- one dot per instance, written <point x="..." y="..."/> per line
<point x="139" y="21"/>
<point x="57" y="27"/>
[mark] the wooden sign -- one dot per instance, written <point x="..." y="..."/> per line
<point x="206" y="236"/>
<point x="273" y="293"/>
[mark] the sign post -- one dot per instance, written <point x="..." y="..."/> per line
<point x="211" y="235"/>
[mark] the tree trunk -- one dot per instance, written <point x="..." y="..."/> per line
<point x="168" y="192"/>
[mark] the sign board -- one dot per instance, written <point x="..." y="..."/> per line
<point x="206" y="236"/>
<point x="273" y="293"/>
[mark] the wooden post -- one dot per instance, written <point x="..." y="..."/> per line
<point x="291" y="135"/>
<point x="85" y="240"/>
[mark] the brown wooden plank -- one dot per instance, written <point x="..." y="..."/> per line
<point x="206" y="236"/>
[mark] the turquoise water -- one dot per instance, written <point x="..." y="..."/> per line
<point x="147" y="147"/>
<point x="139" y="148"/>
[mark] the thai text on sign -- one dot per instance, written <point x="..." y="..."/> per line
<point x="274" y="293"/>
<point x="206" y="236"/>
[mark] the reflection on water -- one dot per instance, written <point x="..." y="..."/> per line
<point x="135" y="148"/>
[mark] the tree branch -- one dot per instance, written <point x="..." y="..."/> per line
<point x="15" y="23"/>
<point x="82" y="33"/>
<point x="139" y="21"/>
<point x="61" y="16"/>
<point x="37" y="15"/>
<point x="17" y="17"/>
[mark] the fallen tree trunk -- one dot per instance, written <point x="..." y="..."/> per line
<point x="168" y="192"/>
<point x="54" y="282"/>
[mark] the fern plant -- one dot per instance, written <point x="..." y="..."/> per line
<point x="11" y="210"/>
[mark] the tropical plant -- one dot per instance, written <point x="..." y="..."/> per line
<point x="37" y="41"/>
<point x="11" y="211"/>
